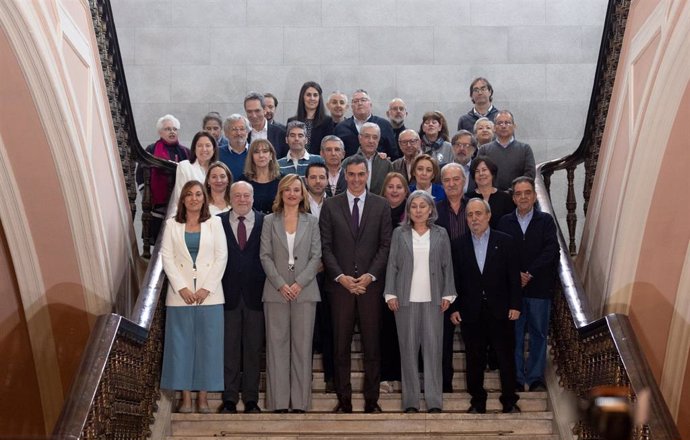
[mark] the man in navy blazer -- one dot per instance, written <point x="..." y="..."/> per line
<point x="356" y="237"/>
<point x="243" y="284"/>
<point x="348" y="130"/>
<point x="487" y="278"/>
<point x="534" y="232"/>
<point x="254" y="104"/>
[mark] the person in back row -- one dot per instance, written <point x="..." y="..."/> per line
<point x="349" y="129"/>
<point x="311" y="111"/>
<point x="482" y="96"/>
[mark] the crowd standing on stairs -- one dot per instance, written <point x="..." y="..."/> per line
<point x="287" y="238"/>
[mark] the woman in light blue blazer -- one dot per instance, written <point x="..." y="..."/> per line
<point x="419" y="288"/>
<point x="291" y="256"/>
<point x="194" y="253"/>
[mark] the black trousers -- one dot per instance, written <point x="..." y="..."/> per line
<point x="477" y="335"/>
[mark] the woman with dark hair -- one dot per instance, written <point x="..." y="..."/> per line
<point x="194" y="253"/>
<point x="291" y="257"/>
<point x="204" y="152"/>
<point x="419" y="289"/>
<point x="213" y="123"/>
<point x="425" y="171"/>
<point x="262" y="171"/>
<point x="395" y="190"/>
<point x="434" y="135"/>
<point x="217" y="184"/>
<point x="484" y="171"/>
<point x="311" y="111"/>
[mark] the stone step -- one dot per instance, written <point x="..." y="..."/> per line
<point x="389" y="424"/>
<point x="458" y="402"/>
<point x="441" y="436"/>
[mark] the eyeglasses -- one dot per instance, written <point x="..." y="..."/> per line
<point x="397" y="109"/>
<point x="360" y="100"/>
<point x="238" y="129"/>
<point x="407" y="141"/>
<point x="504" y="123"/>
<point x="459" y="145"/>
<point x="480" y="89"/>
<point x="169" y="129"/>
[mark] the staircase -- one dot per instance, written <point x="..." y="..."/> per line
<point x="534" y="423"/>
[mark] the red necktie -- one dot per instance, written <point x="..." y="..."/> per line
<point x="241" y="233"/>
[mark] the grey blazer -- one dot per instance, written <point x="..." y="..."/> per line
<point x="274" y="257"/>
<point x="401" y="265"/>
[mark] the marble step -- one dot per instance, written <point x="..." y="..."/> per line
<point x="339" y="425"/>
<point x="458" y="402"/>
<point x="442" y="436"/>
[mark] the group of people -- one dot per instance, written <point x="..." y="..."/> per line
<point x="288" y="237"/>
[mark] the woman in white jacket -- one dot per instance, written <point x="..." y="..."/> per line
<point x="194" y="253"/>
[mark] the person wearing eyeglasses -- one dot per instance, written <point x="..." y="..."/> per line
<point x="410" y="145"/>
<point x="397" y="112"/>
<point x="349" y="129"/>
<point x="464" y="146"/>
<point x="512" y="157"/>
<point x="482" y="95"/>
<point x="236" y="127"/>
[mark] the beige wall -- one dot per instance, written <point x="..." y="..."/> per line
<point x="635" y="255"/>
<point x="63" y="207"/>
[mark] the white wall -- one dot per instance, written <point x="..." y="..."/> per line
<point x="188" y="57"/>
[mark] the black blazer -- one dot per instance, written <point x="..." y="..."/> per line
<point x="244" y="276"/>
<point x="538" y="250"/>
<point x="318" y="132"/>
<point x="500" y="279"/>
<point x="276" y="136"/>
<point x="345" y="252"/>
<point x="340" y="186"/>
<point x="347" y="132"/>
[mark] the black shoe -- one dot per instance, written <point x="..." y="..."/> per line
<point x="343" y="407"/>
<point x="435" y="411"/>
<point x="229" y="408"/>
<point x="411" y="410"/>
<point x="511" y="409"/>
<point x="372" y="407"/>
<point x="330" y="387"/>
<point x="519" y="387"/>
<point x="280" y="411"/>
<point x="537" y="386"/>
<point x="251" y="408"/>
<point x="298" y="411"/>
<point x="476" y="410"/>
<point x="448" y="389"/>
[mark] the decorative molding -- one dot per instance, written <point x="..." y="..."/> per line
<point x="678" y="343"/>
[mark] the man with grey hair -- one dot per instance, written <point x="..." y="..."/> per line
<point x="464" y="146"/>
<point x="349" y="129"/>
<point x="410" y="145"/>
<point x="482" y="96"/>
<point x="254" y="104"/>
<point x="243" y="283"/>
<point x="513" y="158"/>
<point x="235" y="128"/>
<point x="369" y="137"/>
<point x="397" y="112"/>
<point x="333" y="153"/>
<point x="487" y="276"/>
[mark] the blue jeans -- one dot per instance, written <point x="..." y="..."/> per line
<point x="535" y="320"/>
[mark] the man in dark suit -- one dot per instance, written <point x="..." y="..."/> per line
<point x="349" y="129"/>
<point x="369" y="138"/>
<point x="487" y="277"/>
<point x="356" y="236"/>
<point x="333" y="152"/>
<point x="254" y="104"/>
<point x="534" y="232"/>
<point x="243" y="283"/>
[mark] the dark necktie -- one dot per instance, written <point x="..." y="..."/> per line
<point x="355" y="215"/>
<point x="241" y="233"/>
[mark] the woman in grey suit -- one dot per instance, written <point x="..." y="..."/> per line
<point x="290" y="256"/>
<point x="419" y="288"/>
